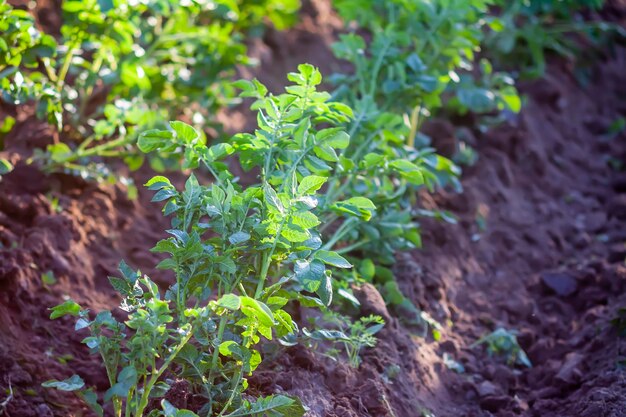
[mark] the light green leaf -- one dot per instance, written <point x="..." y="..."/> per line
<point x="271" y="199"/>
<point x="184" y="132"/>
<point x="67" y="308"/>
<point x="257" y="309"/>
<point x="157" y="182"/>
<point x="356" y="206"/>
<point x="73" y="383"/>
<point x="332" y="258"/>
<point x="151" y="140"/>
<point x="5" y="166"/>
<point x="310" y="184"/>
<point x="305" y="219"/>
<point x="408" y="170"/>
<point x="229" y="301"/>
<point x="219" y="151"/>
<point x="225" y="348"/>
<point x="335" y="138"/>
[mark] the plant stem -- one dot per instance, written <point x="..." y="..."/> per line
<point x="143" y="403"/>
<point x="353" y="246"/>
<point x="216" y="352"/>
<point x="66" y="66"/>
<point x="339" y="233"/>
<point x="414" y="125"/>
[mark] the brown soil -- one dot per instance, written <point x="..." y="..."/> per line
<point x="549" y="263"/>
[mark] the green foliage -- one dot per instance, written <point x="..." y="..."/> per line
<point x="5" y="167"/>
<point x="503" y="343"/>
<point x="417" y="60"/>
<point x="417" y="57"/>
<point x="122" y="67"/>
<point x="352" y="335"/>
<point x="526" y="31"/>
<point x="240" y="255"/>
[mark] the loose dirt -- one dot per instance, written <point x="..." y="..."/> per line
<point x="539" y="247"/>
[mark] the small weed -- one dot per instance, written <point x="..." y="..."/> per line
<point x="48" y="278"/>
<point x="503" y="343"/>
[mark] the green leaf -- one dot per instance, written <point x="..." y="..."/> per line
<point x="67" y="308"/>
<point x="5" y="166"/>
<point x="310" y="274"/>
<point x="325" y="291"/>
<point x="257" y="309"/>
<point x="332" y="258"/>
<point x="126" y="379"/>
<point x="59" y="152"/>
<point x="238" y="237"/>
<point x="219" y="151"/>
<point x="184" y="132"/>
<point x="409" y="171"/>
<point x="367" y="269"/>
<point x="230" y="301"/>
<point x="73" y="383"/>
<point x="326" y="153"/>
<point x="275" y="406"/>
<point x="170" y="411"/>
<point x="91" y="399"/>
<point x="271" y="199"/>
<point x="305" y="219"/>
<point x="335" y="138"/>
<point x="294" y="233"/>
<point x="310" y="184"/>
<point x="361" y="207"/>
<point x="151" y="140"/>
<point x="225" y="348"/>
<point x="157" y="182"/>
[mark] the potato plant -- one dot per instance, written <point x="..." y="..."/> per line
<point x="529" y="31"/>
<point x="417" y="58"/>
<point x="122" y="67"/>
<point x="240" y="254"/>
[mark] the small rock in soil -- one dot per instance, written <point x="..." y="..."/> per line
<point x="570" y="371"/>
<point x="561" y="283"/>
<point x="494" y="403"/>
<point x="486" y="389"/>
<point x="44" y="411"/>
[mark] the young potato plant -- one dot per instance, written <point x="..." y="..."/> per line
<point x="401" y="75"/>
<point x="419" y="54"/>
<point x="240" y="254"/>
<point x="503" y="343"/>
<point x="337" y="329"/>
<point x="529" y="30"/>
<point x="122" y="67"/>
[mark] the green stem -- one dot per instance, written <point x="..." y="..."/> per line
<point x="341" y="232"/>
<point x="96" y="70"/>
<point x="353" y="246"/>
<point x="143" y="403"/>
<point x="66" y="66"/>
<point x="236" y="383"/>
<point x="414" y="125"/>
<point x="216" y="352"/>
<point x="267" y="260"/>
